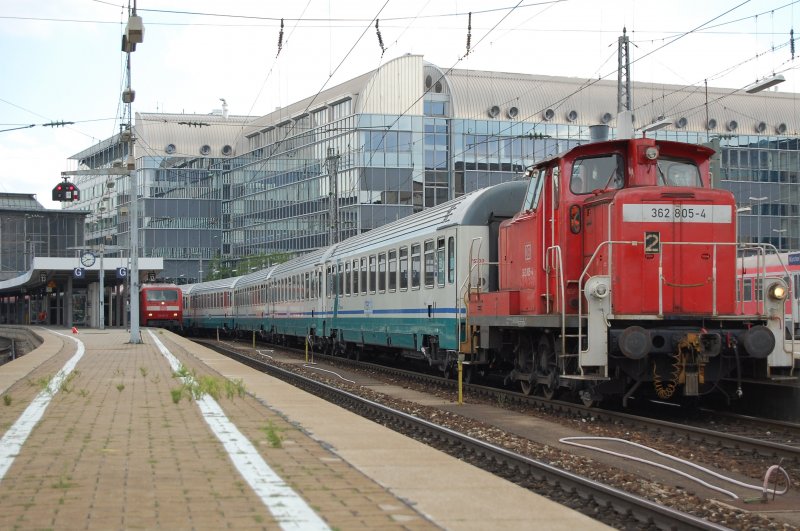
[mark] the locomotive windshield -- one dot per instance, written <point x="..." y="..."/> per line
<point x="596" y="173"/>
<point x="678" y="172"/>
<point x="161" y="295"/>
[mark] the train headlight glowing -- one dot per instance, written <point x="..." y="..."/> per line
<point x="777" y="291"/>
<point x="651" y="153"/>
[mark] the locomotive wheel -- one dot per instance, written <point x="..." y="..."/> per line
<point x="525" y="362"/>
<point x="447" y="371"/>
<point x="588" y="398"/>
<point x="547" y="365"/>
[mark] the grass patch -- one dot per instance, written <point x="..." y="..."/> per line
<point x="120" y="387"/>
<point x="63" y="483"/>
<point x="234" y="388"/>
<point x="143" y="371"/>
<point x="273" y="434"/>
<point x="42" y="383"/>
<point x="7" y="400"/>
<point x="196" y="387"/>
<point x="177" y="394"/>
<point x="67" y="383"/>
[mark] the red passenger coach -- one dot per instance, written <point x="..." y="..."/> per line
<point x="161" y="305"/>
<point x="618" y="278"/>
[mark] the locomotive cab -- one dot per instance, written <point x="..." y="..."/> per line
<point x="620" y="269"/>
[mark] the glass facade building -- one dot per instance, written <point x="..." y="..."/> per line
<point x="409" y="136"/>
<point x="28" y="230"/>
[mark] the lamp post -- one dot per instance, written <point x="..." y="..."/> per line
<point x="780" y="238"/>
<point x="758" y="220"/>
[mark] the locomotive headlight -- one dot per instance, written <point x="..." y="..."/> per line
<point x="651" y="153"/>
<point x="600" y="291"/>
<point x="777" y="291"/>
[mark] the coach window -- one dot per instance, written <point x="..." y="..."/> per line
<point x="759" y="291"/>
<point x="329" y="282"/>
<point x="430" y="264"/>
<point x="355" y="277"/>
<point x="319" y="284"/>
<point x="392" y="270"/>
<point x="307" y="284"/>
<point x="363" y="276"/>
<point x="451" y="260"/>
<point x="382" y="272"/>
<point x="747" y="290"/>
<point x="403" y="268"/>
<point x="347" y="278"/>
<point x="416" y="266"/>
<point x="340" y="280"/>
<point x="440" y="262"/>
<point x="372" y="274"/>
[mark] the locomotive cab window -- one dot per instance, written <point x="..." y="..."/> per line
<point x="678" y="172"/>
<point x="597" y="173"/>
<point x="534" y="190"/>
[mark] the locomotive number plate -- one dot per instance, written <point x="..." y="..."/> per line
<point x="666" y="213"/>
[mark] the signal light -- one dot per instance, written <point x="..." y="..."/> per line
<point x="66" y="192"/>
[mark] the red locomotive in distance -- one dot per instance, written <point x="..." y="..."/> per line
<point x="161" y="305"/>
<point x="618" y="278"/>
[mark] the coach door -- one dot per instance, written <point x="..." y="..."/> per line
<point x="552" y="257"/>
<point x="321" y="317"/>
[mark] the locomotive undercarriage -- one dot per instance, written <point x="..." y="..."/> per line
<point x="667" y="363"/>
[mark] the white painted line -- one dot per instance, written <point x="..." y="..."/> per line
<point x="288" y="508"/>
<point x="15" y="437"/>
<point x="307" y="366"/>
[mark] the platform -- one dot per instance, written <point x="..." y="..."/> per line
<point x="98" y="434"/>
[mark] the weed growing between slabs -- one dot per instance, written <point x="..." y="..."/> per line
<point x="194" y="387"/>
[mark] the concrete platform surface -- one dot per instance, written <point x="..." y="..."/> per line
<point x="98" y="433"/>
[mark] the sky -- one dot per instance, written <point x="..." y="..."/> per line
<point x="61" y="60"/>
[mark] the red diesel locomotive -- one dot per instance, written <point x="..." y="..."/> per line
<point x="618" y="278"/>
<point x="161" y="305"/>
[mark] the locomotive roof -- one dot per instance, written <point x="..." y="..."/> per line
<point x="620" y="143"/>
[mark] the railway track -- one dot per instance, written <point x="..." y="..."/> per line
<point x="766" y="438"/>
<point x="604" y="503"/>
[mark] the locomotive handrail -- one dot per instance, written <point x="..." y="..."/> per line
<point x="760" y="271"/>
<point x="761" y="250"/>
<point x="556" y="250"/>
<point x="581" y="293"/>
